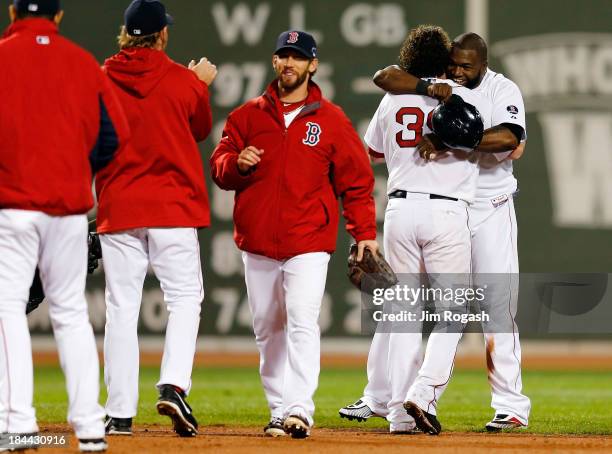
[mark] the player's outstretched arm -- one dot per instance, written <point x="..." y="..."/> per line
<point x="395" y="80"/>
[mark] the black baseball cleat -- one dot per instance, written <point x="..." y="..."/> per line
<point x="275" y="428"/>
<point x="296" y="426"/>
<point x="118" y="426"/>
<point x="427" y="422"/>
<point x="172" y="403"/>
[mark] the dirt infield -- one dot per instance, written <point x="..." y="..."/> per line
<point x="223" y="439"/>
<point x="218" y="439"/>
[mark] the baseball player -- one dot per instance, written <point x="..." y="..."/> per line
<point x="425" y="222"/>
<point x="152" y="200"/>
<point x="289" y="154"/>
<point x="56" y="130"/>
<point x="492" y="217"/>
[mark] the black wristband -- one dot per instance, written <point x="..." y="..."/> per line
<point x="421" y="88"/>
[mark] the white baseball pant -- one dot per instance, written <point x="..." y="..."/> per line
<point x="421" y="235"/>
<point x="494" y="250"/>
<point x="174" y="255"/>
<point x="285" y="300"/>
<point x="58" y="244"/>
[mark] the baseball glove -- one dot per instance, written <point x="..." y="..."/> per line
<point x="37" y="295"/>
<point x="372" y="272"/>
<point x="94" y="253"/>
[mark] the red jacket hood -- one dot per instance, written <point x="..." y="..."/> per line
<point x="138" y="70"/>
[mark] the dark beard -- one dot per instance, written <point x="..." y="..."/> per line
<point x="472" y="83"/>
<point x="299" y="81"/>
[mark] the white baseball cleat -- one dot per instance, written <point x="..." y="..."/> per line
<point x="93" y="445"/>
<point x="358" y="411"/>
<point x="504" y="422"/>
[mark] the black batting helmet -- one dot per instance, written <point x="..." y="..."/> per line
<point x="457" y="124"/>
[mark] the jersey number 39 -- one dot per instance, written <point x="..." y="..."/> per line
<point x="417" y="117"/>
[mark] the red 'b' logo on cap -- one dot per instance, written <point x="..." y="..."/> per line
<point x="293" y="37"/>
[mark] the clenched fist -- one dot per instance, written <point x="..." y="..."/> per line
<point x="440" y="91"/>
<point x="204" y="69"/>
<point x="430" y="148"/>
<point x="248" y="158"/>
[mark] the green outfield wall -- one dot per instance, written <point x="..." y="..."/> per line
<point x="558" y="52"/>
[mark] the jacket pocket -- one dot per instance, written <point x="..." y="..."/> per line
<point x="325" y="213"/>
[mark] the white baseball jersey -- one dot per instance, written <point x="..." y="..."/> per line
<point x="496" y="177"/>
<point x="397" y="127"/>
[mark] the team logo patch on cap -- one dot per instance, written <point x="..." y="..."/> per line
<point x="512" y="109"/>
<point x="293" y="38"/>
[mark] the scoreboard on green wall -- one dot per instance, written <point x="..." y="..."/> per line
<point x="561" y="60"/>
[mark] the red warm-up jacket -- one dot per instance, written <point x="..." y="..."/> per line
<point x="59" y="120"/>
<point x="157" y="180"/>
<point x="288" y="205"/>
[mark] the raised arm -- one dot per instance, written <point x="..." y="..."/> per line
<point x="201" y="119"/>
<point x="396" y="81"/>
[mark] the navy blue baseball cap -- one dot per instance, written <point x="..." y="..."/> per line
<point x="303" y="42"/>
<point x="145" y="17"/>
<point x="38" y="7"/>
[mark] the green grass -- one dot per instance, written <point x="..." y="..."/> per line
<point x="576" y="402"/>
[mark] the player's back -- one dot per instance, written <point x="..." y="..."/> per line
<point x="395" y="131"/>
<point x="49" y="119"/>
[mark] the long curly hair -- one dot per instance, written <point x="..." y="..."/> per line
<point x="125" y="40"/>
<point x="425" y="52"/>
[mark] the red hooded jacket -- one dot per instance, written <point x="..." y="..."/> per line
<point x="157" y="180"/>
<point x="288" y="205"/>
<point x="59" y="120"/>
